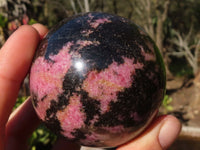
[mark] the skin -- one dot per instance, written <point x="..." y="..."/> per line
<point x="16" y="127"/>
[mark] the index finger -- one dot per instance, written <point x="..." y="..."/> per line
<point x="15" y="59"/>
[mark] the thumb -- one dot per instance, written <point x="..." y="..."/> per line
<point x="159" y="136"/>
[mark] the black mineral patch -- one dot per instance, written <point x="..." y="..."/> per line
<point x="91" y="107"/>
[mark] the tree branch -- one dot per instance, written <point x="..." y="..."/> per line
<point x="183" y="47"/>
<point x="73" y="6"/>
<point x="178" y="54"/>
<point x="196" y="51"/>
<point x="87" y="7"/>
<point x="80" y="5"/>
<point x="188" y="36"/>
<point x="166" y="8"/>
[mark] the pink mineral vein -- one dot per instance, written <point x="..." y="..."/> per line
<point x="96" y="23"/>
<point x="46" y="78"/>
<point x="90" y="16"/>
<point x="95" y="119"/>
<point x="115" y="129"/>
<point x="102" y="137"/>
<point x="96" y="137"/>
<point x="71" y="117"/>
<point x="136" y="116"/>
<point x="83" y="43"/>
<point x="91" y="138"/>
<point x="87" y="32"/>
<point x="147" y="56"/>
<point x="105" y="85"/>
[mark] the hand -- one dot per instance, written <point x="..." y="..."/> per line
<point x="15" y="129"/>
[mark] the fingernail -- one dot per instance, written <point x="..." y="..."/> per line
<point x="169" y="131"/>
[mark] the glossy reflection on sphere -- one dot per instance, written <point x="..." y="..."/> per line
<point x="97" y="79"/>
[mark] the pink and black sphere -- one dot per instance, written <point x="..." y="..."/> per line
<point x="97" y="79"/>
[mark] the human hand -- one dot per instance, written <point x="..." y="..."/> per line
<point x="15" y="60"/>
<point x="15" y="129"/>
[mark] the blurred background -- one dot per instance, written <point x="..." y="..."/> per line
<point x="173" y="24"/>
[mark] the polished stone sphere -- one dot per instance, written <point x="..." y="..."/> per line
<point x="97" y="79"/>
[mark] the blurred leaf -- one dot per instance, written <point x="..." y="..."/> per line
<point x="19" y="101"/>
<point x="33" y="148"/>
<point x="166" y="103"/>
<point x="42" y="138"/>
<point x="3" y="21"/>
<point x="32" y="21"/>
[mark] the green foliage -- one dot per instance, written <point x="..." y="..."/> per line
<point x="42" y="138"/>
<point x="32" y="21"/>
<point x="166" y="103"/>
<point x="19" y="101"/>
<point x="3" y="21"/>
<point x="180" y="68"/>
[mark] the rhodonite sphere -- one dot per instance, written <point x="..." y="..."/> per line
<point x="97" y="79"/>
